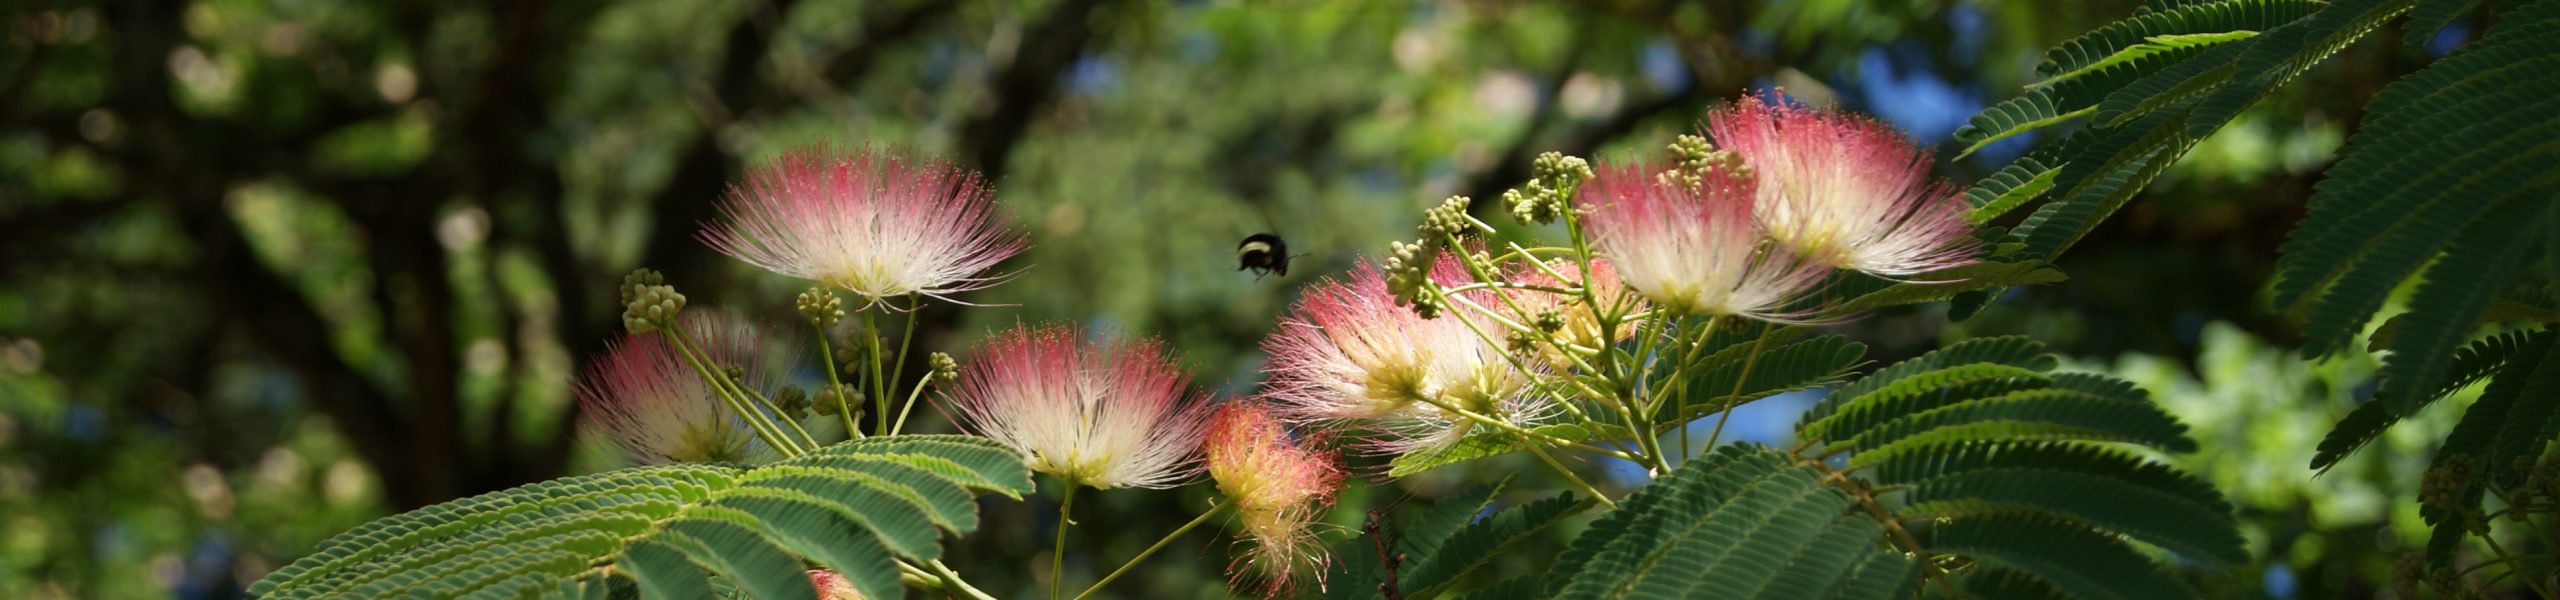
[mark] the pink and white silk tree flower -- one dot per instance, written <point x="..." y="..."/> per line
<point x="875" y="224"/>
<point x="1692" y="245"/>
<point x="1278" y="486"/>
<point x="649" y="401"/>
<point x="1846" y="191"/>
<point x="1114" y="414"/>
<point x="1346" y="354"/>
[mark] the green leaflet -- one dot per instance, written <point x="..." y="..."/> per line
<point x="2153" y="45"/>
<point x="1475" y="545"/>
<point x="670" y="530"/>
<point x="1487" y="442"/>
<point x="2080" y="561"/>
<point x="1740" y="520"/>
<point x="1781" y="368"/>
<point x="1945" y="284"/>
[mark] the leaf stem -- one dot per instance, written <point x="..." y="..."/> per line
<point x="898" y="374"/>
<point x="1725" y="415"/>
<point x="766" y="430"/>
<point x="1058" y="555"/>
<point x="844" y="405"/>
<point x="1518" y="430"/>
<point x="951" y="581"/>
<point x="1214" y="510"/>
<point x="1569" y="477"/>
<point x="879" y="381"/>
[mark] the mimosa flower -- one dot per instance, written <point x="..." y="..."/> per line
<point x="1111" y="415"/>
<point x="1347" y="354"/>
<point x="1277" y="486"/>
<point x="647" y="399"/>
<point x="1578" y="323"/>
<point x="1846" y="191"/>
<point x="833" y="586"/>
<point x="876" y="225"/>
<point x="1691" y="245"/>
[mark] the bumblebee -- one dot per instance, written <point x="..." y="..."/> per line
<point x="1264" y="254"/>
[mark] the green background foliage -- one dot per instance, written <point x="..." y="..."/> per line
<point x="270" y="269"/>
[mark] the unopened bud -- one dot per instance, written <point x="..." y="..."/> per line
<point x="821" y="306"/>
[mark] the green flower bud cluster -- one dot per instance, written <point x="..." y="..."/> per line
<point x="1521" y="343"/>
<point x="1549" y="321"/>
<point x="2442" y="486"/>
<point x="1553" y="177"/>
<point x="1408" y="270"/>
<point x="792" y="401"/>
<point x="649" y="307"/>
<point x="1697" y="163"/>
<point x="640" y="280"/>
<point x="821" y="306"/>
<point x="825" y="403"/>
<point x="849" y="357"/>
<point x="945" y="370"/>
<point x="1408" y="267"/>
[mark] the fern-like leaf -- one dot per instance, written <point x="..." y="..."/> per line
<point x="1779" y="369"/>
<point x="2015" y="351"/>
<point x="1945" y="284"/>
<point x="1475" y="545"/>
<point x="2083" y="562"/>
<point x="1739" y="520"/>
<point x="679" y="531"/>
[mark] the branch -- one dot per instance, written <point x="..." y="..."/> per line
<point x="1026" y="84"/>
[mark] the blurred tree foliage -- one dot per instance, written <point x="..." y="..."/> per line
<point x="269" y="268"/>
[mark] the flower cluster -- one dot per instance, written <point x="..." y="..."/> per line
<point x="1686" y="240"/>
<point x="1844" y="191"/>
<point x="875" y="224"/>
<point x="1115" y="414"/>
<point x="646" y="398"/>
<point x="1446" y="336"/>
<point x="1346" y="354"/>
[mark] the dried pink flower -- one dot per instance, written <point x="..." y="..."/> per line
<point x="874" y="224"/>
<point x="1116" y="414"/>
<point x="1846" y="191"/>
<point x="1278" y="486"/>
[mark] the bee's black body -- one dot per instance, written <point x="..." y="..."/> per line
<point x="1264" y="254"/>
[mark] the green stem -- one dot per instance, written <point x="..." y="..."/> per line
<point x="807" y="440"/>
<point x="1725" y="415"/>
<point x="879" y="394"/>
<point x="1679" y="384"/>
<point x="844" y="406"/>
<point x="1214" y="510"/>
<point x="901" y="423"/>
<point x="951" y="582"/>
<point x="1569" y="477"/>
<point x="898" y="374"/>
<point x="2529" y="581"/>
<point x="746" y="396"/>
<point x="1058" y="555"/>
<point x="765" y="430"/>
<point x="1517" y="430"/>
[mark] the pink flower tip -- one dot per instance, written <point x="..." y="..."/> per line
<point x="1687" y="240"/>
<point x="874" y="223"/>
<point x="1846" y="191"/>
<point x="648" y="400"/>
<point x="1346" y="354"/>
<point x="1108" y="414"/>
